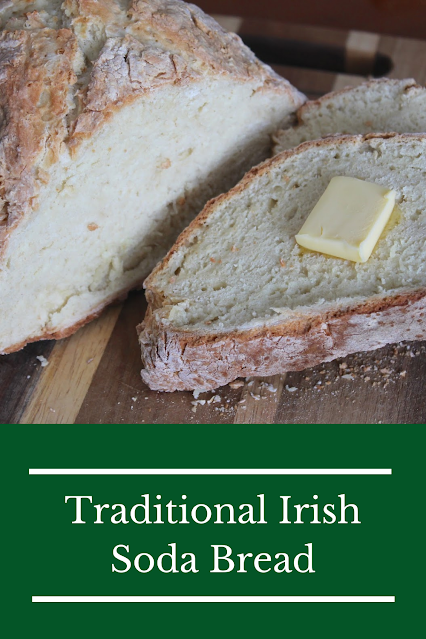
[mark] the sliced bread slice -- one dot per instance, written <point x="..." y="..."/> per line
<point x="237" y="296"/>
<point x="378" y="105"/>
<point x="118" y="121"/>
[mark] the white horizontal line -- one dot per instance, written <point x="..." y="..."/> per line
<point x="213" y="599"/>
<point x="210" y="471"/>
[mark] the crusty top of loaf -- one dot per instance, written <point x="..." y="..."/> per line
<point x="65" y="67"/>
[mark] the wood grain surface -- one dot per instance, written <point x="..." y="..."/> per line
<point x="94" y="376"/>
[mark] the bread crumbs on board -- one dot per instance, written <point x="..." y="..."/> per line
<point x="378" y="369"/>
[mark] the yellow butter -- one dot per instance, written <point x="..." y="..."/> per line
<point x="348" y="219"/>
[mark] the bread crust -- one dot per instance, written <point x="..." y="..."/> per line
<point x="175" y="359"/>
<point x="33" y="109"/>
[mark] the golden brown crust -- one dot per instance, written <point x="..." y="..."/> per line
<point x="175" y="359"/>
<point x="33" y="109"/>
<point x="187" y="29"/>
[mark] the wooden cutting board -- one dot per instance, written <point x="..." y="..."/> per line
<point x="93" y="376"/>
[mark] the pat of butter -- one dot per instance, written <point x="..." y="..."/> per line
<point x="348" y="219"/>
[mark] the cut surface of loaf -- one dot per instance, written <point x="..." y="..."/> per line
<point x="237" y="296"/>
<point x="118" y="121"/>
<point x="378" y="105"/>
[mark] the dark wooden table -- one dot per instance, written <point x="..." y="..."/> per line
<point x="405" y="18"/>
<point x="93" y="376"/>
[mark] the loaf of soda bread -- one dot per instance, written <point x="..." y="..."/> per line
<point x="118" y="121"/>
